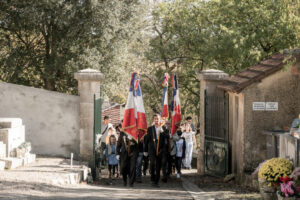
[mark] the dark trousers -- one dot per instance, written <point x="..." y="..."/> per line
<point x="145" y="164"/>
<point x="155" y="166"/>
<point x="128" y="169"/>
<point x="178" y="163"/>
<point x="165" y="166"/>
<point x="171" y="161"/>
<point x="103" y="157"/>
<point x="112" y="168"/>
<point x="139" y="166"/>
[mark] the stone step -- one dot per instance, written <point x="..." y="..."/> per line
<point x="28" y="159"/>
<point x="2" y="150"/>
<point x="12" y="163"/>
<point x="2" y="165"/>
<point x="48" y="170"/>
<point x="76" y="177"/>
<point x="10" y="122"/>
<point x="13" y="138"/>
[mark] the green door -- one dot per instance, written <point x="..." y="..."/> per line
<point x="97" y="123"/>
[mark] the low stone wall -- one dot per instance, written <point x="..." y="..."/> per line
<point x="51" y="119"/>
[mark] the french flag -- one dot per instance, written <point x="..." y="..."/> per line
<point x="164" y="109"/>
<point x="175" y="106"/>
<point x="134" y="120"/>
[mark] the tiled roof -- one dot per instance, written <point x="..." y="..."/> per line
<point x="253" y="74"/>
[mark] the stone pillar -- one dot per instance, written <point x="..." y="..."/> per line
<point x="209" y="79"/>
<point x="89" y="81"/>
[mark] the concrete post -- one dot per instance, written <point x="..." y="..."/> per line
<point x="89" y="81"/>
<point x="209" y="79"/>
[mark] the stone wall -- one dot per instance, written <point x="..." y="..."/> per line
<point x="282" y="87"/>
<point x="236" y="133"/>
<point x="51" y="119"/>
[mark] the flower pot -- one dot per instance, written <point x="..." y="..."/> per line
<point x="267" y="192"/>
<point x="297" y="189"/>
<point x="279" y="197"/>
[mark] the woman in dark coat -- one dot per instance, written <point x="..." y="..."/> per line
<point x="127" y="149"/>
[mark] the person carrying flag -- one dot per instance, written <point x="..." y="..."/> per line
<point x="127" y="150"/>
<point x="134" y="128"/>
<point x="166" y="157"/>
<point x="155" y="145"/>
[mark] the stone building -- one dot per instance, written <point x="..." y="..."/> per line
<point x="262" y="97"/>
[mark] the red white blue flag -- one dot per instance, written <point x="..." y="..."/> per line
<point x="164" y="108"/>
<point x="134" y="120"/>
<point x="175" y="106"/>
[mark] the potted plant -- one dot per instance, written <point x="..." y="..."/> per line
<point x="269" y="176"/>
<point x="286" y="190"/>
<point x="295" y="176"/>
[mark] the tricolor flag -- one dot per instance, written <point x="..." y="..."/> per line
<point x="164" y="108"/>
<point x="134" y="120"/>
<point x="175" y="106"/>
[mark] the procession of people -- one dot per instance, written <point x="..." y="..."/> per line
<point x="133" y="147"/>
<point x="163" y="152"/>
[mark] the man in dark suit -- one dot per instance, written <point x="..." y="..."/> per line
<point x="127" y="150"/>
<point x="155" y="145"/>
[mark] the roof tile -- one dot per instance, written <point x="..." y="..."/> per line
<point x="254" y="73"/>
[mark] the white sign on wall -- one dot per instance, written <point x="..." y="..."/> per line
<point x="272" y="106"/>
<point x="258" y="105"/>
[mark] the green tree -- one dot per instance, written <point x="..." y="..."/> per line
<point x="44" y="42"/>
<point x="192" y="35"/>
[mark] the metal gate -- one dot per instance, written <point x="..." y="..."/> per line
<point x="97" y="126"/>
<point x="216" y="142"/>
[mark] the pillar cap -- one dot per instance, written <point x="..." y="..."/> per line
<point x="89" y="75"/>
<point x="212" y="75"/>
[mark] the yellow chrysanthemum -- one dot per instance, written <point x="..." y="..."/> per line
<point x="274" y="168"/>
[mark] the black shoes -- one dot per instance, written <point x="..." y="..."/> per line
<point x="125" y="183"/>
<point x="164" y="180"/>
<point x="155" y="185"/>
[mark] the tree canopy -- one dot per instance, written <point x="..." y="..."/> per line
<point x="192" y="35"/>
<point x="44" y="42"/>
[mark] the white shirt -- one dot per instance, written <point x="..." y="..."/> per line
<point x="157" y="131"/>
<point x="188" y="136"/>
<point x="103" y="128"/>
<point x="179" y="148"/>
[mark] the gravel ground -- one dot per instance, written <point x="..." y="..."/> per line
<point x="48" y="179"/>
<point x="217" y="189"/>
<point x="39" y="181"/>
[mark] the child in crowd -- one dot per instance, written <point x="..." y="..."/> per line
<point x="111" y="131"/>
<point x="111" y="156"/>
<point x="180" y="152"/>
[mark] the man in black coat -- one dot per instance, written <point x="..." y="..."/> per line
<point x="167" y="158"/>
<point x="156" y="145"/>
<point x="127" y="149"/>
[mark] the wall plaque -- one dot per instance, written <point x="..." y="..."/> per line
<point x="259" y="106"/>
<point x="272" y="106"/>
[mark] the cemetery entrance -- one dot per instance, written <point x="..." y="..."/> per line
<point x="216" y="144"/>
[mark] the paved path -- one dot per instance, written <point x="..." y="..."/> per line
<point x="33" y="182"/>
